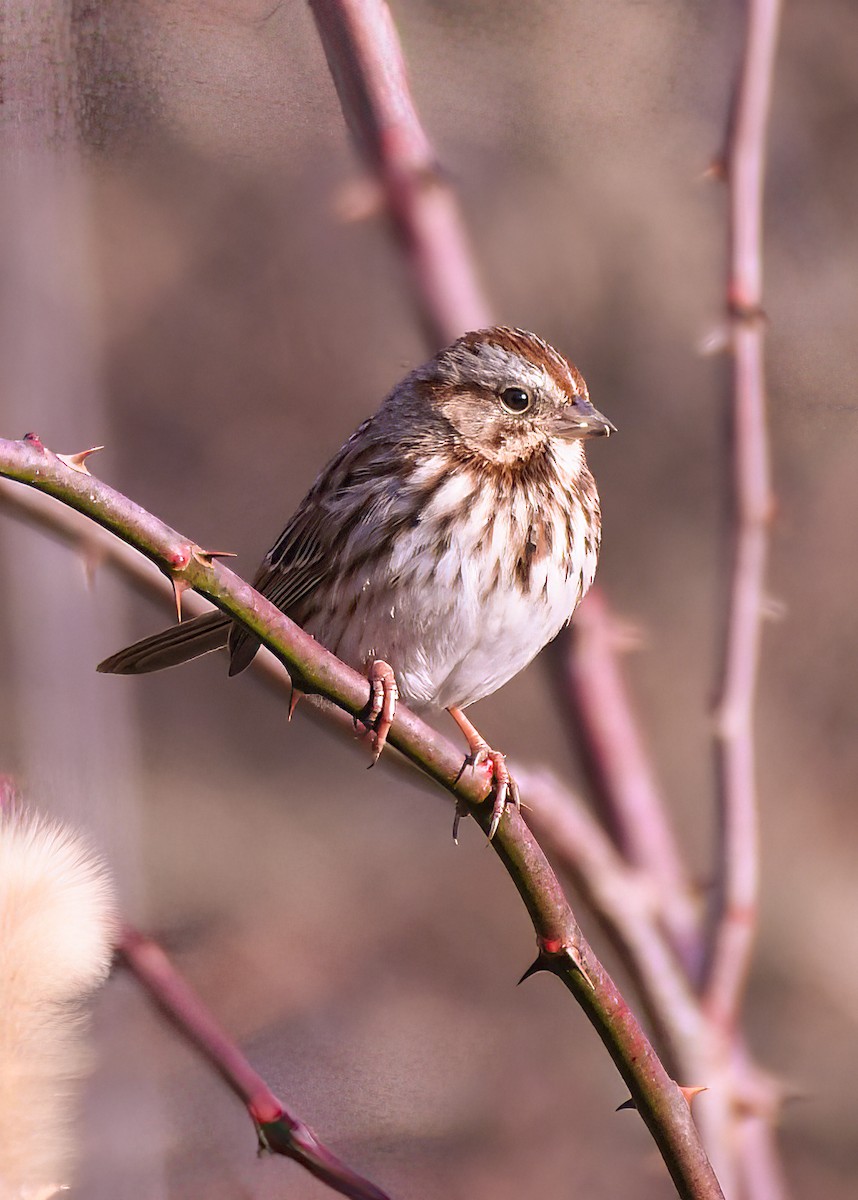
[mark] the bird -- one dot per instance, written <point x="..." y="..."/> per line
<point x="450" y="538"/>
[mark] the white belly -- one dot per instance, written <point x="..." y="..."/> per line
<point x="457" y="626"/>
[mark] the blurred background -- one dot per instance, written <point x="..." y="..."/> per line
<point x="178" y="281"/>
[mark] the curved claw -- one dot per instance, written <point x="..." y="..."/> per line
<point x="382" y="706"/>
<point x="506" y="790"/>
<point x="504" y="786"/>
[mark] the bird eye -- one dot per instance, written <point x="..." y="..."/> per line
<point x="515" y="400"/>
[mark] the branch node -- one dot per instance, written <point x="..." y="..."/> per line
<point x="553" y="956"/>
<point x="745" y="312"/>
<point x="179" y="560"/>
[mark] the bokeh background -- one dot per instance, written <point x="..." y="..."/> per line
<point x="178" y="280"/>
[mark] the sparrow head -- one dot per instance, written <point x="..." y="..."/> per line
<point x="505" y="394"/>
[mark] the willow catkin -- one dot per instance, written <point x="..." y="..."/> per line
<point x="57" y="923"/>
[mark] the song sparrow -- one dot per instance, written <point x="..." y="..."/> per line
<point x="445" y="544"/>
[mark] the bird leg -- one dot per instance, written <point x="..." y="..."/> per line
<point x="505" y="787"/>
<point x="382" y="705"/>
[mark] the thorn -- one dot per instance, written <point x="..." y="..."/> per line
<point x="77" y="462"/>
<point x="294" y="697"/>
<point x="691" y="1092"/>
<point x="716" y="172"/>
<point x="572" y="953"/>
<point x="773" y="608"/>
<point x="92" y="557"/>
<point x="716" y="341"/>
<point x="539" y="964"/>
<point x="627" y="1104"/>
<point x="180" y="586"/>
<point x="461" y="811"/>
<point x="205" y="557"/>
<point x="553" y="950"/>
<point x="359" y="200"/>
<point x="625" y="637"/>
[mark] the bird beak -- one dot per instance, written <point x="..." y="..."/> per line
<point x="581" y="420"/>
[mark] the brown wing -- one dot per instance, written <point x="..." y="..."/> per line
<point x="300" y="558"/>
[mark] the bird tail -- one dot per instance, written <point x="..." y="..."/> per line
<point x="58" y="924"/>
<point x="171" y="647"/>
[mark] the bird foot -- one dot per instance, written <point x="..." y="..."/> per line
<point x="505" y="788"/>
<point x="382" y="706"/>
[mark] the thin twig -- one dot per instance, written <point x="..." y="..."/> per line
<point x="563" y="949"/>
<point x="735" y="910"/>
<point x="622" y="775"/>
<point x="278" y="1130"/>
<point x="368" y="69"/>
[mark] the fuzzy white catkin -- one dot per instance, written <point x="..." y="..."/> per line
<point x="57" y="924"/>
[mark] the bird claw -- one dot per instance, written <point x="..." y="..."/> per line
<point x="383" y="697"/>
<point x="505" y="787"/>
<point x="481" y="754"/>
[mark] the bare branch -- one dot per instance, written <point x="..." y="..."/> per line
<point x="278" y="1130"/>
<point x="563" y="949"/>
<point x="605" y="726"/>
<point x="628" y="900"/>
<point x="368" y="68"/>
<point x="739" y="1114"/>
<point x="735" y="913"/>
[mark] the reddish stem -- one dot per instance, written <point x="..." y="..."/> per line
<point x="279" y="1131"/>
<point x="735" y="913"/>
<point x="622" y="774"/>
<point x="368" y="69"/>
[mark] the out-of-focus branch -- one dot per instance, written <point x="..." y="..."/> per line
<point x="368" y="69"/>
<point x="278" y="1130"/>
<point x="735" y="911"/>
<point x="563" y="949"/>
<point x="622" y="774"/>
<point x="739" y="1112"/>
